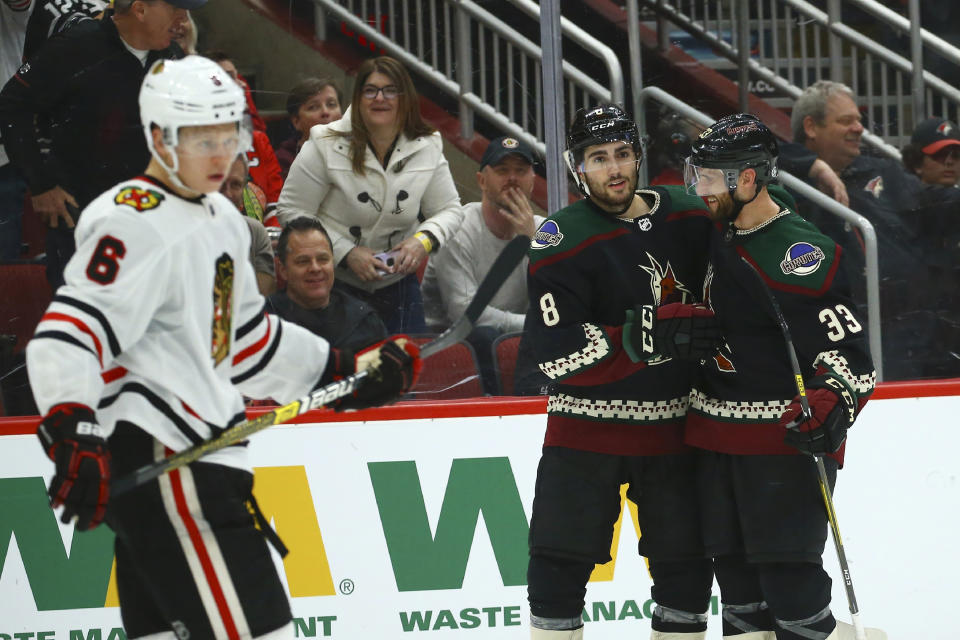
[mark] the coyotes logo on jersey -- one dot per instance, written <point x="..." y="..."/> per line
<point x="222" y="308"/>
<point x="724" y="357"/>
<point x="139" y="199"/>
<point x="664" y="284"/>
<point x="666" y="288"/>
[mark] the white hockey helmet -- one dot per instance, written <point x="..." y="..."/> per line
<point x="193" y="91"/>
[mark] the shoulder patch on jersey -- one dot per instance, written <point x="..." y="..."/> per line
<point x="139" y="199"/>
<point x="802" y="259"/>
<point x="548" y="235"/>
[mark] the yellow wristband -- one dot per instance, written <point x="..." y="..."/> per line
<point x="424" y="240"/>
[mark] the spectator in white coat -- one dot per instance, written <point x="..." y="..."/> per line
<point x="379" y="183"/>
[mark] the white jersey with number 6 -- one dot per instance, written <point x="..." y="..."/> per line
<point x="160" y="322"/>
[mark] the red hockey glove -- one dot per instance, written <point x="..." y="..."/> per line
<point x="676" y="330"/>
<point x="833" y="408"/>
<point x="74" y="441"/>
<point x="394" y="365"/>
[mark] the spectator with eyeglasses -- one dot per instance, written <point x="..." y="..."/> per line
<point x="378" y="181"/>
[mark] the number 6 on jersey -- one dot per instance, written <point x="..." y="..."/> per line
<point x="104" y="263"/>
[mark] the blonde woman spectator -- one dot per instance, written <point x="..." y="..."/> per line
<point x="313" y="101"/>
<point x="379" y="183"/>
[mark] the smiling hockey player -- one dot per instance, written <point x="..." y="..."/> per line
<point x="763" y="519"/>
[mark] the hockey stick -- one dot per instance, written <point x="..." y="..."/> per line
<point x="501" y="269"/>
<point x="825" y="492"/>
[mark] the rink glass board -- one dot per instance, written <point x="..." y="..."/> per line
<point x="412" y="521"/>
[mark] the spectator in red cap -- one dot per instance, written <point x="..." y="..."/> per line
<point x="934" y="152"/>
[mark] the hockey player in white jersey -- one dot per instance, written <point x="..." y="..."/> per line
<point x="147" y="350"/>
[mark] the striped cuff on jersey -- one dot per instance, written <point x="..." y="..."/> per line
<point x="619" y="410"/>
<point x="596" y="349"/>
<point x="258" y="354"/>
<point x="735" y="410"/>
<point x="834" y="362"/>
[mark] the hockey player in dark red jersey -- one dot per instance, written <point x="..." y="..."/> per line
<point x="611" y="281"/>
<point x="763" y="519"/>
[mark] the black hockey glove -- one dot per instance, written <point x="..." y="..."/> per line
<point x="834" y="409"/>
<point x="394" y="365"/>
<point x="676" y="330"/>
<point x="74" y="441"/>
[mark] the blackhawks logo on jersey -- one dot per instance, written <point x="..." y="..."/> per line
<point x="222" y="308"/>
<point x="139" y="199"/>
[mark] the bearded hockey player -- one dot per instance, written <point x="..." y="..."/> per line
<point x="146" y="351"/>
<point x="611" y="282"/>
<point x="764" y="520"/>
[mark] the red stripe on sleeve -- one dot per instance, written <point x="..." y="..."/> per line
<point x="256" y="346"/>
<point x="53" y="315"/>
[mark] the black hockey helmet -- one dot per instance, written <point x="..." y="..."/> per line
<point x="602" y="124"/>
<point x="732" y="144"/>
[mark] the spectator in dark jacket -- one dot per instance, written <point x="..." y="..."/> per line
<point x="934" y="153"/>
<point x="84" y="83"/>
<point x="827" y="125"/>
<point x="310" y="299"/>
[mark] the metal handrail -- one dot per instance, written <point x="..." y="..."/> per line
<point x="866" y="228"/>
<point x="457" y="81"/>
<point x="882" y="80"/>
<point x="897" y="21"/>
<point x="729" y="51"/>
<point x="588" y="42"/>
<point x="857" y="38"/>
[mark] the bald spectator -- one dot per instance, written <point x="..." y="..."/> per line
<point x="85" y="82"/>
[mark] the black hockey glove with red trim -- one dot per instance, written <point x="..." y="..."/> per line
<point x="676" y="330"/>
<point x="394" y="365"/>
<point x="834" y="409"/>
<point x="74" y="441"/>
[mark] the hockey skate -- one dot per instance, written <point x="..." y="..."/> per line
<point x="845" y="631"/>
<point x="550" y="634"/>
<point x="671" y="635"/>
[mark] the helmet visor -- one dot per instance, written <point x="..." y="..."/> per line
<point x="214" y="140"/>
<point x="707" y="181"/>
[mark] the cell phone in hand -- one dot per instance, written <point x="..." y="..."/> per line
<point x="387" y="258"/>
